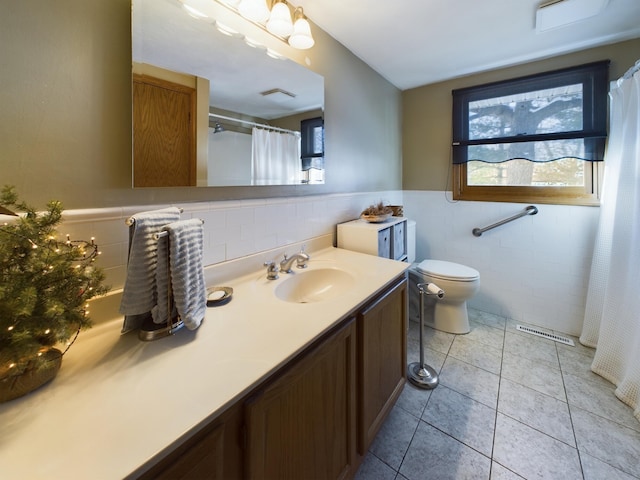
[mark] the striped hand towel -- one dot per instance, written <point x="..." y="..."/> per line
<point x="140" y="295"/>
<point x="186" y="248"/>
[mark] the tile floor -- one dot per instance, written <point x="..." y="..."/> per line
<point x="509" y="405"/>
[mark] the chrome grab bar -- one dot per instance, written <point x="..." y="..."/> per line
<point x="530" y="210"/>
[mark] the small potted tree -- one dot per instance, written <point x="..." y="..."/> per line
<point x="45" y="282"/>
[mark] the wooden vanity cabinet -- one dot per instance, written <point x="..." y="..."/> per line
<point x="302" y="426"/>
<point x="382" y="360"/>
<point x="214" y="453"/>
<point x="316" y="417"/>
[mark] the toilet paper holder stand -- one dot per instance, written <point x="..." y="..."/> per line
<point x="419" y="373"/>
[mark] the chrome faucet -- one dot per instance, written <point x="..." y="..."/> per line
<point x="301" y="258"/>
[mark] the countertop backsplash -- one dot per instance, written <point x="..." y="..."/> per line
<point x="233" y="230"/>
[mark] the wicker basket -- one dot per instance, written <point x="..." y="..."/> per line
<point x="397" y="210"/>
<point x="15" y="386"/>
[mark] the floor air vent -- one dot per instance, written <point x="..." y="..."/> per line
<point x="550" y="336"/>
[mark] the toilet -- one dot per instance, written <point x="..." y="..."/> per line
<point x="459" y="282"/>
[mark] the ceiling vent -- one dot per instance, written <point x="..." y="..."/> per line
<point x="277" y="92"/>
<point x="278" y="95"/>
<point x="560" y="13"/>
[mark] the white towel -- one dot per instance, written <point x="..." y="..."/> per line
<point x="140" y="294"/>
<point x="186" y="247"/>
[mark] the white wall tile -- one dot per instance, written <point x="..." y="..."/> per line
<point x="534" y="269"/>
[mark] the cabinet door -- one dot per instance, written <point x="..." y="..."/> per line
<point x="382" y="360"/>
<point x="384" y="243"/>
<point x="214" y="453"/>
<point x="399" y="241"/>
<point x="302" y="426"/>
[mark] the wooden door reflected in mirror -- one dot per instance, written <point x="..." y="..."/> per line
<point x="164" y="146"/>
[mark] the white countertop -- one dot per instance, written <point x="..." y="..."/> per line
<point x="118" y="402"/>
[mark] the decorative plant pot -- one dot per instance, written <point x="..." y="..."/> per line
<point x="14" y="386"/>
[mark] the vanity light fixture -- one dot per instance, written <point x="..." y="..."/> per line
<point x="279" y="22"/>
<point x="301" y="37"/>
<point x="276" y="20"/>
<point x="254" y="10"/>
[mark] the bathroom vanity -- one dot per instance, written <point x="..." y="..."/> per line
<point x="268" y="387"/>
<point x="317" y="415"/>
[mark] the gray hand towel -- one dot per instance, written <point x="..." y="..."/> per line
<point x="140" y="294"/>
<point x="186" y="245"/>
<point x="160" y="311"/>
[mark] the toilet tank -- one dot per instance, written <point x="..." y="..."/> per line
<point x="411" y="241"/>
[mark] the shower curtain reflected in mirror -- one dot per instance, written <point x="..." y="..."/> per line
<point x="275" y="158"/>
<point x="612" y="314"/>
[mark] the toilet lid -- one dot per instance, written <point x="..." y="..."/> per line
<point x="448" y="270"/>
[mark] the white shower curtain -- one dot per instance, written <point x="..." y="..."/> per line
<point x="612" y="314"/>
<point x="275" y="158"/>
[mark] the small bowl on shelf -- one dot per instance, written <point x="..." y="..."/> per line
<point x="375" y="218"/>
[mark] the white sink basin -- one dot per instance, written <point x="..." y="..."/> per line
<point x="315" y="285"/>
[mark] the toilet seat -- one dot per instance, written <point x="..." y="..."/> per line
<point x="448" y="271"/>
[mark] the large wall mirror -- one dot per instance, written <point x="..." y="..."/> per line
<point x="256" y="113"/>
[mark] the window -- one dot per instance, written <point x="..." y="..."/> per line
<point x="312" y="149"/>
<point x="532" y="139"/>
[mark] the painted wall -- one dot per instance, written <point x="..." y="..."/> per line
<point x="65" y="126"/>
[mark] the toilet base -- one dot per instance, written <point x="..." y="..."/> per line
<point x="448" y="314"/>
<point x="451" y="317"/>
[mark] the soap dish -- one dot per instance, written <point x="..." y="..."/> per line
<point x="217" y="296"/>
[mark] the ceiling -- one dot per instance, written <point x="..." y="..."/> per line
<point x="417" y="42"/>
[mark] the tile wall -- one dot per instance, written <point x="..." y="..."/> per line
<point x="534" y="269"/>
<point x="233" y="229"/>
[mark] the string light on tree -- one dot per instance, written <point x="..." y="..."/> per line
<point x="45" y="284"/>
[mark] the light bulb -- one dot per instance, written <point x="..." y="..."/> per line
<point x="301" y="37"/>
<point x="254" y="10"/>
<point x="280" y="20"/>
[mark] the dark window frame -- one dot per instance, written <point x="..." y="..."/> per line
<point x="310" y="157"/>
<point x="594" y="78"/>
